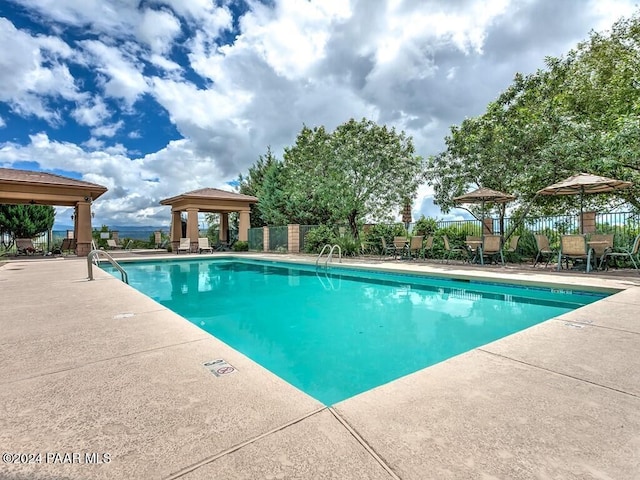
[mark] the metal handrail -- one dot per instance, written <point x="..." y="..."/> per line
<point x="321" y="252"/>
<point x="116" y="265"/>
<point x="330" y="255"/>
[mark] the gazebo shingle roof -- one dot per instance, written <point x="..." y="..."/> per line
<point x="28" y="176"/>
<point x="211" y="194"/>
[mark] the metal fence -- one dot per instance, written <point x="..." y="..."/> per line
<point x="304" y="229"/>
<point x="256" y="239"/>
<point x="278" y="239"/>
<point x="622" y="223"/>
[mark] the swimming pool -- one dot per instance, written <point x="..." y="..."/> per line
<point x="337" y="333"/>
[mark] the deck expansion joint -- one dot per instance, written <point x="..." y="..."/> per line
<point x="364" y="444"/>
<point x="102" y="360"/>
<point x="538" y="367"/>
<point x="240" y="445"/>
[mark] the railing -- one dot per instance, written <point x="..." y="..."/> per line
<point x="95" y="254"/>
<point x="330" y="255"/>
<point x="256" y="239"/>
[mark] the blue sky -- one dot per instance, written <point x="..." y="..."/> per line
<point x="153" y="98"/>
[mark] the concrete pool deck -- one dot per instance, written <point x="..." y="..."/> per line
<point x="101" y="372"/>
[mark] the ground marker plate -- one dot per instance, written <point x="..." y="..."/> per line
<point x="219" y="367"/>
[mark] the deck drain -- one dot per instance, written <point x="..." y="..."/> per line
<point x="219" y="367"/>
<point x="124" y="315"/>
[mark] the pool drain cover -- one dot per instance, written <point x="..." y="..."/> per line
<point x="219" y="367"/>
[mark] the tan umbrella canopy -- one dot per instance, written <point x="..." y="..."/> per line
<point x="484" y="195"/>
<point x="584" y="183"/>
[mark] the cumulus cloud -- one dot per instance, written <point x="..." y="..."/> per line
<point x="33" y="72"/>
<point x="199" y="89"/>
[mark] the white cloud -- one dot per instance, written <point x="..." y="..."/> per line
<point x="32" y="72"/>
<point x="416" y="65"/>
<point x="107" y="130"/>
<point x="122" y="74"/>
<point x="92" y="112"/>
<point x="158" y="29"/>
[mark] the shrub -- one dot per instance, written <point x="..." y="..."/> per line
<point x="425" y="226"/>
<point x="317" y="238"/>
<point x="373" y="235"/>
<point x="240" y="246"/>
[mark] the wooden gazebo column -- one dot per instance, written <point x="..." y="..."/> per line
<point x="193" y="231"/>
<point x="83" y="228"/>
<point x="176" y="229"/>
<point x="243" y="225"/>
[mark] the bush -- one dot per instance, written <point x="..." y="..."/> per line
<point x="317" y="238"/>
<point x="425" y="226"/>
<point x="373" y="235"/>
<point x="240" y="246"/>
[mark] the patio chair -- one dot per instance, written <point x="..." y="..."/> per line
<point x="453" y="250"/>
<point x="601" y="243"/>
<point x="629" y="253"/>
<point x="491" y="249"/>
<point x="24" y="246"/>
<point x="68" y="245"/>
<point x="185" y="245"/>
<point x="544" y="250"/>
<point x="113" y="245"/>
<point x="427" y="246"/>
<point x="512" y="246"/>
<point x="387" y="250"/>
<point x="203" y="245"/>
<point x="415" y="246"/>
<point x="401" y="244"/>
<point x="574" y="247"/>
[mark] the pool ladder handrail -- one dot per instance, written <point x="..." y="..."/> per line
<point x="330" y="255"/>
<point x="94" y="257"/>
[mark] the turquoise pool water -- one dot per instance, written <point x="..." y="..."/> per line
<point x="337" y="334"/>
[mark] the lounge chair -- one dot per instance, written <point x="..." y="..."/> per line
<point x="544" y="250"/>
<point x="491" y="249"/>
<point x="450" y="250"/>
<point x="415" y="246"/>
<point x="574" y="247"/>
<point x="24" y="246"/>
<point x="185" y="245"/>
<point x="629" y="253"/>
<point x="203" y="245"/>
<point x="111" y="243"/>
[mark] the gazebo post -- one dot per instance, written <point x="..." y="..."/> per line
<point x="193" y="231"/>
<point x="83" y="228"/>
<point x="243" y="225"/>
<point x="224" y="226"/>
<point x="176" y="229"/>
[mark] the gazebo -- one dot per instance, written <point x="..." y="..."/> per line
<point x="41" y="188"/>
<point x="210" y="200"/>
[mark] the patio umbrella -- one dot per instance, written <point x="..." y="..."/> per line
<point x="483" y="195"/>
<point x="581" y="184"/>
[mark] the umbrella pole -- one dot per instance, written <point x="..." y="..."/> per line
<point x="581" y="212"/>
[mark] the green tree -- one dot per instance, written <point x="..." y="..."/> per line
<point x="253" y="182"/>
<point x="25" y="221"/>
<point x="580" y="113"/>
<point x="361" y="170"/>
